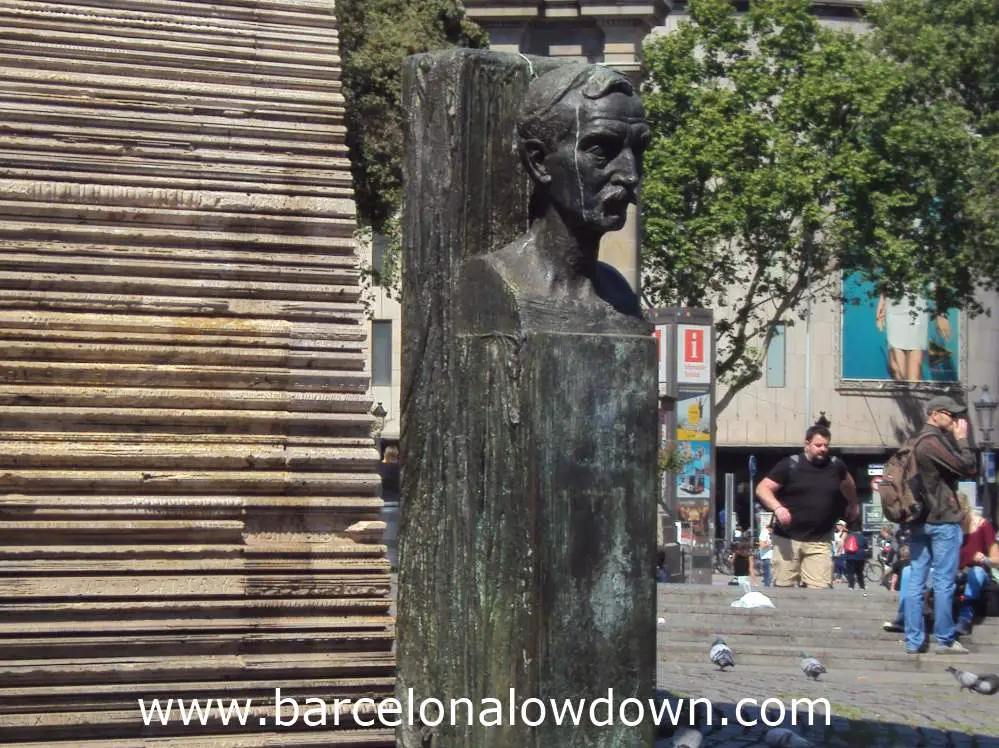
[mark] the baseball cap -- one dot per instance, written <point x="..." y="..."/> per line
<point x="946" y="403"/>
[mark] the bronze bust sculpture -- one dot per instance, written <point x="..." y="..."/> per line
<point x="581" y="133"/>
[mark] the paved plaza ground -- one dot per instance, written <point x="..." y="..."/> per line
<point x="869" y="707"/>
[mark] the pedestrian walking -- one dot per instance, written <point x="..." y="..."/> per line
<point x="838" y="554"/>
<point x="767" y="553"/>
<point x="855" y="554"/>
<point x="807" y="492"/>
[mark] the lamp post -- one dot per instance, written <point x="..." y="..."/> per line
<point x="985" y="409"/>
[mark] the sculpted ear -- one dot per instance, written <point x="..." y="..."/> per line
<point x="533" y="153"/>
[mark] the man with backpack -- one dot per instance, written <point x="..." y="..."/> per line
<point x="940" y="457"/>
<point x="805" y="492"/>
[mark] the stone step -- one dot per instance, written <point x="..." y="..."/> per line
<point x="119" y="643"/>
<point x="716" y="618"/>
<point x="795" y="607"/>
<point x="22" y="673"/>
<point x="122" y="723"/>
<point x="316" y="738"/>
<point x="108" y="696"/>
<point x="239" y="611"/>
<point x="691" y="594"/>
<point x="872" y="610"/>
<point x="869" y="635"/>
<point x="27" y="588"/>
<point x="884" y="656"/>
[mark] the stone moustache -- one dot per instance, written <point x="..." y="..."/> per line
<point x="580" y="133"/>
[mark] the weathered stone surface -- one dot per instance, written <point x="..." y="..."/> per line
<point x="188" y="486"/>
<point x="527" y="532"/>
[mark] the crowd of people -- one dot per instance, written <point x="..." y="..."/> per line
<point x="945" y="559"/>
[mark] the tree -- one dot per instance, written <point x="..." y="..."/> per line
<point x="785" y="153"/>
<point x="375" y="37"/>
<point x="945" y="141"/>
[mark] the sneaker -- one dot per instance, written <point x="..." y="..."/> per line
<point x="963" y="628"/>
<point x="893" y="626"/>
<point x="954" y="648"/>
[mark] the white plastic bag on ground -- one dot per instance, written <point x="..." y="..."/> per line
<point x="751" y="598"/>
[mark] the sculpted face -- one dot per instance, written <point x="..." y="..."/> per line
<point x="596" y="166"/>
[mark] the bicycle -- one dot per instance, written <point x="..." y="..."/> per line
<point x="877" y="565"/>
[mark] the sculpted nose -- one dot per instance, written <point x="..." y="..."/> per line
<point x="627" y="172"/>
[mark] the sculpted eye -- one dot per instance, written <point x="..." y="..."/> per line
<point x="598" y="152"/>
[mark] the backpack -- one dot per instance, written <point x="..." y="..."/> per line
<point x="850" y="545"/>
<point x="903" y="499"/>
<point x="796" y="460"/>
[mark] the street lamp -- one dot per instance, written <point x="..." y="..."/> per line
<point x="985" y="409"/>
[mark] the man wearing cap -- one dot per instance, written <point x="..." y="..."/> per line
<point x="943" y="457"/>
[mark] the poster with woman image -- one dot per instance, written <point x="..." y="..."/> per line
<point x="905" y="340"/>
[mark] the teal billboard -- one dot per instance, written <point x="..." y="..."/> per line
<point x="904" y="340"/>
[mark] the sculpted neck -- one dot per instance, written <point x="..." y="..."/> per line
<point x="570" y="257"/>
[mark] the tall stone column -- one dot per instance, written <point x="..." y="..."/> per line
<point x="528" y="529"/>
<point x="188" y="488"/>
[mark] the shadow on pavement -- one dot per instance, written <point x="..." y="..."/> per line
<point x="722" y="729"/>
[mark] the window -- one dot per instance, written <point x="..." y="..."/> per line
<point x="381" y="352"/>
<point x="776" y="354"/>
<point x="378" y="245"/>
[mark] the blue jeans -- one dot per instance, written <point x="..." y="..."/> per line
<point x="977" y="579"/>
<point x="839" y="567"/>
<point x="900" y="616"/>
<point x="938" y="546"/>
<point x="767" y="570"/>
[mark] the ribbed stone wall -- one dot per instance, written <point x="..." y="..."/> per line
<point x="188" y="487"/>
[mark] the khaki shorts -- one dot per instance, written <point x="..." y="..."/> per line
<point x="809" y="561"/>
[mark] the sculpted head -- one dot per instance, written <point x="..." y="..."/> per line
<point x="581" y="131"/>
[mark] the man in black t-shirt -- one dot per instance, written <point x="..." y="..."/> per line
<point x="806" y="493"/>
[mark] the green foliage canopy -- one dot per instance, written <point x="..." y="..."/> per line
<point x="375" y="37"/>
<point x="943" y="143"/>
<point x="785" y="152"/>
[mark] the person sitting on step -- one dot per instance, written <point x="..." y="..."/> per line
<point x="979" y="554"/>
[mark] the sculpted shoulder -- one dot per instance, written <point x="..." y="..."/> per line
<point x="486" y="295"/>
<point x="510" y="290"/>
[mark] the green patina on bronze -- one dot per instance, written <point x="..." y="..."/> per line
<point x="529" y="432"/>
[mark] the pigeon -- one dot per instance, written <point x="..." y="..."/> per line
<point x="784" y="738"/>
<point x="987" y="684"/>
<point x="966" y="679"/>
<point x="687" y="738"/>
<point x="721" y="655"/>
<point x="811" y="667"/>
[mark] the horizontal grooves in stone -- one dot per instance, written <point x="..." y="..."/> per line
<point x="319" y="738"/>
<point x="188" y="485"/>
